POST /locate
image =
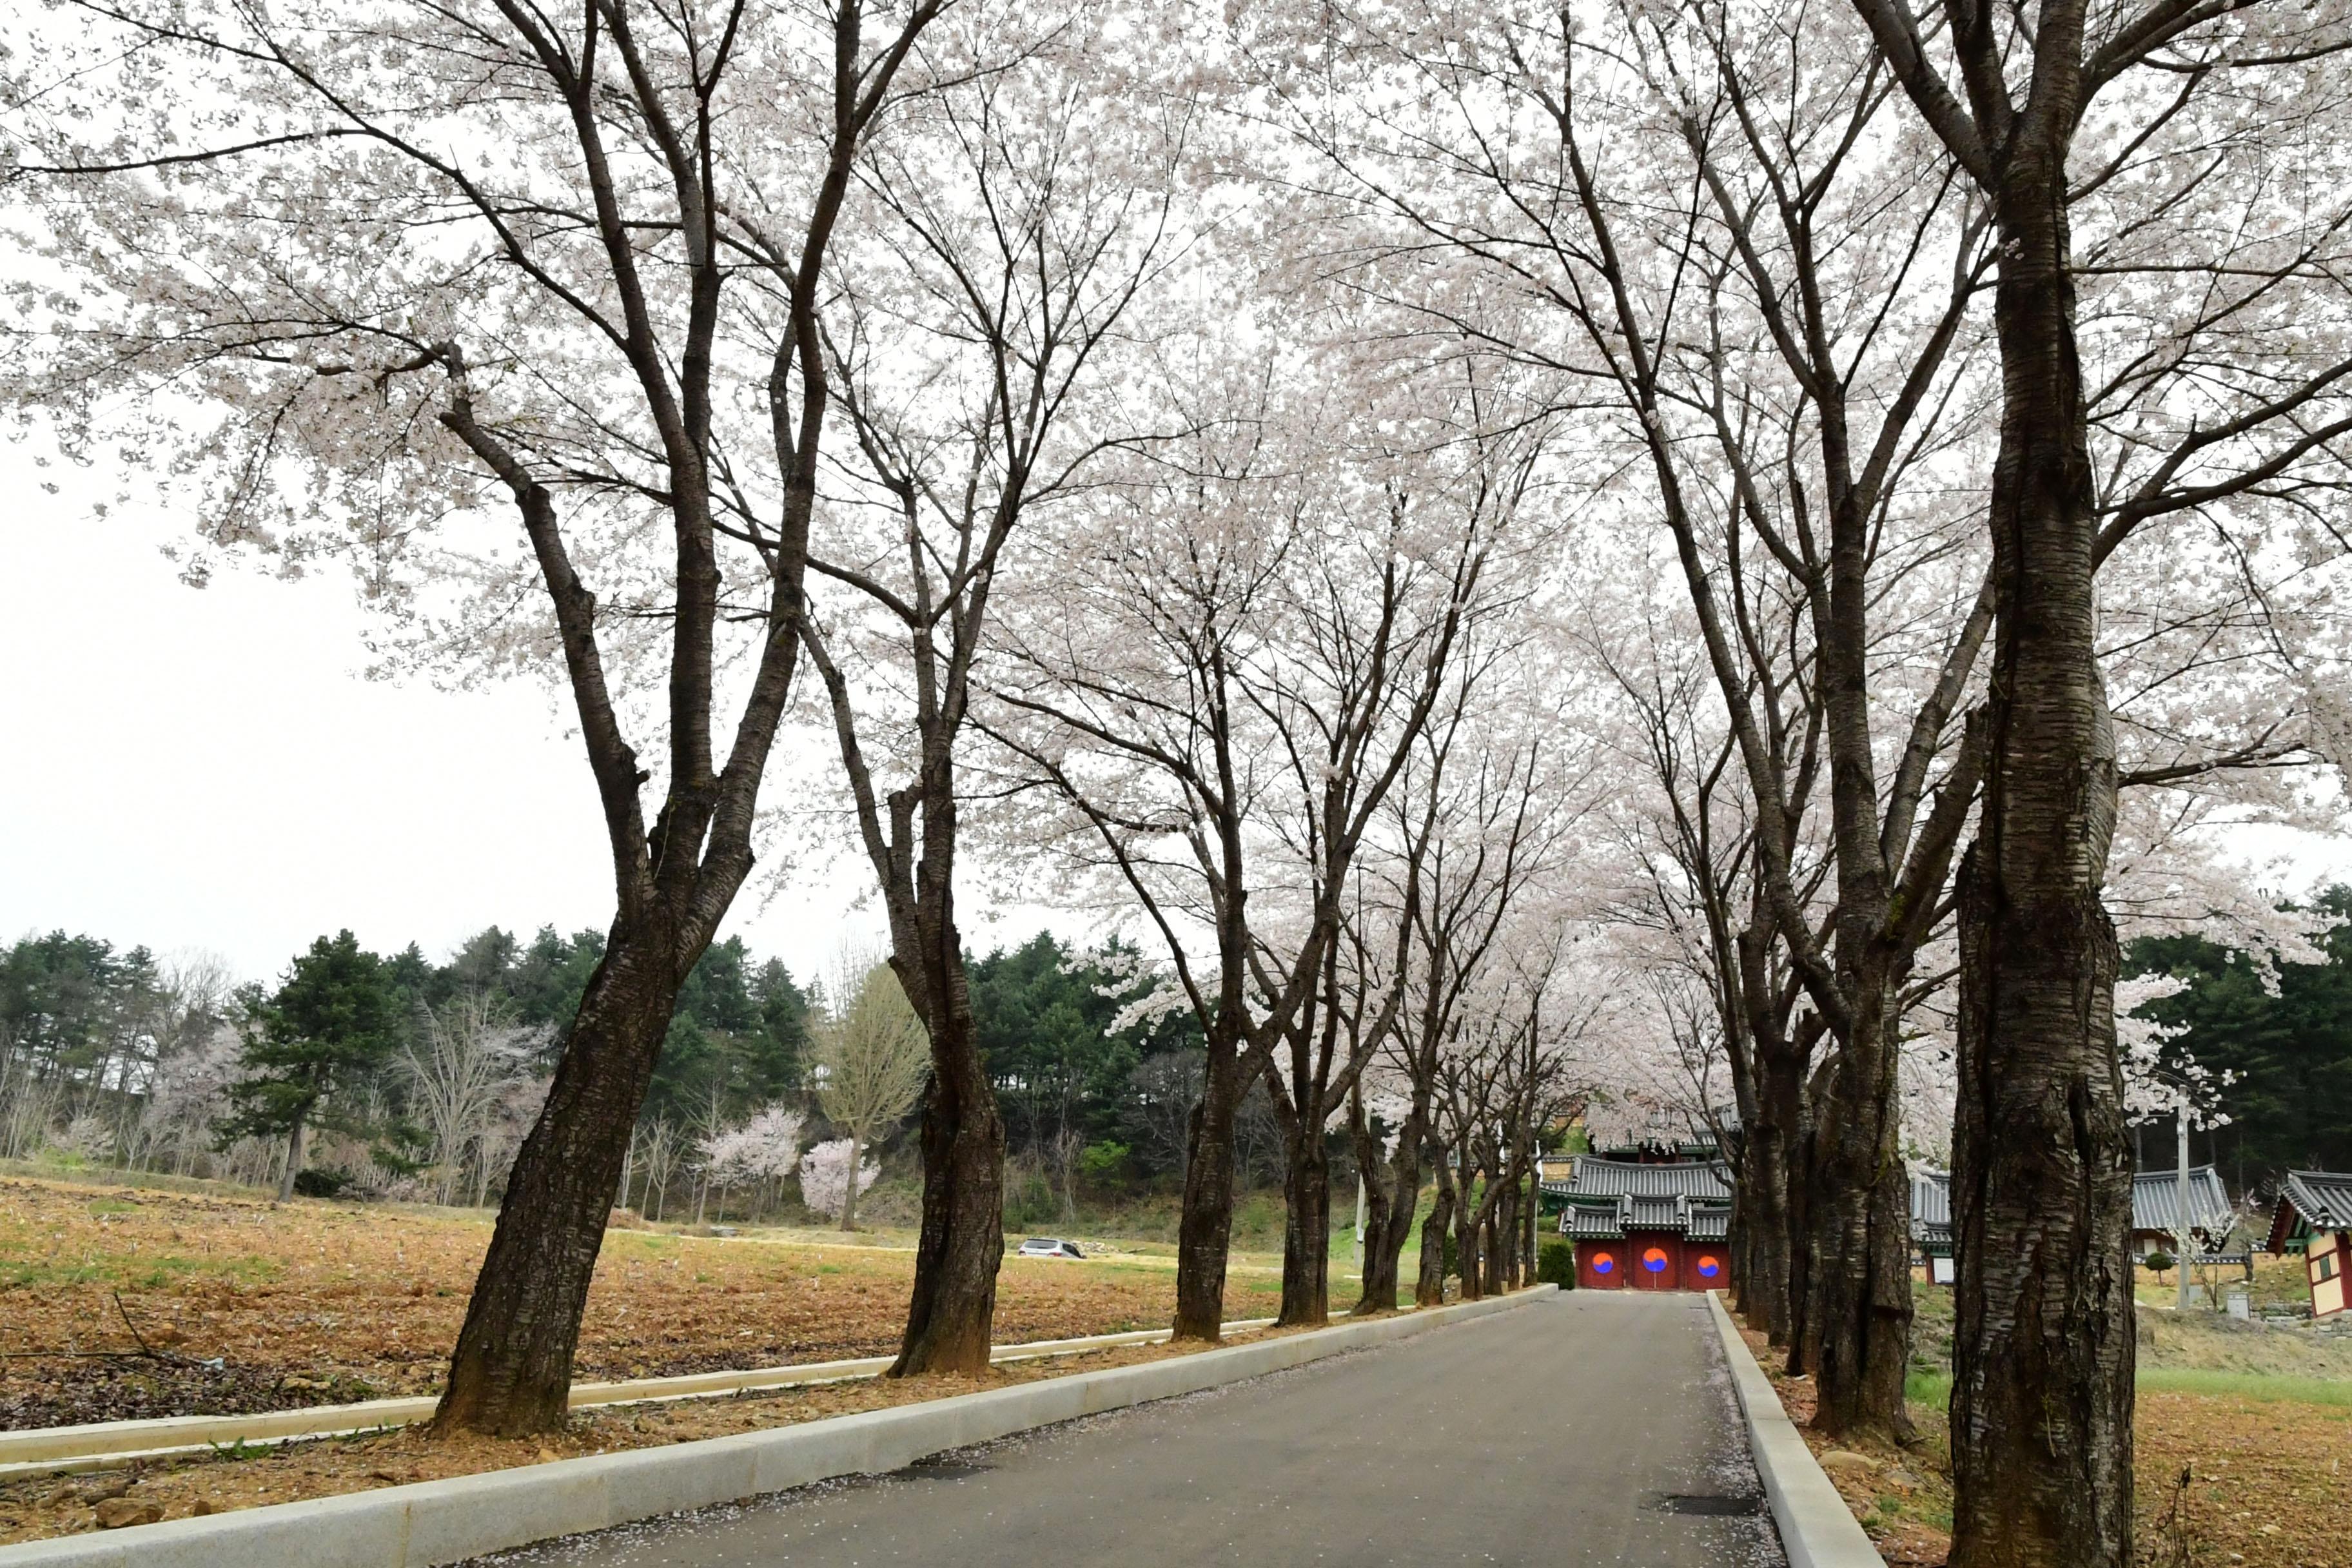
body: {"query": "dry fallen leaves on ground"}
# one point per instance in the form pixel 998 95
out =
pixel 315 1303
pixel 2267 1478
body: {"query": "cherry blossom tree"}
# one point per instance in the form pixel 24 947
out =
pixel 1233 667
pixel 369 277
pixel 1022 214
pixel 825 1177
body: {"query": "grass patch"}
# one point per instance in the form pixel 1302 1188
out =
pixel 1932 1389
pixel 127 1273
pixel 2265 1386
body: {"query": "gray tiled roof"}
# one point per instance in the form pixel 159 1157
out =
pixel 1592 1221
pixel 2156 1203
pixel 2324 1198
pixel 1709 1181
pixel 1608 1217
pixel 1932 1207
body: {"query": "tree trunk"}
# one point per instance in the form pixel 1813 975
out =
pixel 510 1374
pixel 1857 1322
pixel 1204 1233
pixel 1468 1223
pixel 1307 1230
pixel 2042 1391
pixel 1800 1190
pixel 1396 1190
pixel 1376 1273
pixel 951 1317
pixel 1429 1286
pixel 293 1160
pixel 1768 1159
pixel 849 1192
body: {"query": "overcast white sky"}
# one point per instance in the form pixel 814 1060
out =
pixel 207 769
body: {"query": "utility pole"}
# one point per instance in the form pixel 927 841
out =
pixel 1360 1222
pixel 2181 1122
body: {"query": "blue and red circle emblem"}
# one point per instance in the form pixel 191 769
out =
pixel 1708 1266
pixel 1602 1263
pixel 1654 1260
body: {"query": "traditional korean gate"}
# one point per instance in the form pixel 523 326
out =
pixel 1600 1265
pixel 1657 1262
pixel 1705 1266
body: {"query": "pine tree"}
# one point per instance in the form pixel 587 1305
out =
pixel 334 1020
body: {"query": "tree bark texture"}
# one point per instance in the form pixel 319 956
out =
pixel 1768 1163
pixel 1204 1232
pixel 1395 1189
pixel 1306 1231
pixel 1857 1324
pixel 510 1374
pixel 1429 1285
pixel 951 1315
pixel 2042 1393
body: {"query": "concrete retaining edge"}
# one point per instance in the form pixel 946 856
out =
pixel 107 1445
pixel 1817 1530
pixel 431 1523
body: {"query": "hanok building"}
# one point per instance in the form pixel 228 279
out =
pixel 1653 1225
pixel 1931 1224
pixel 2315 1216
pixel 2156 1212
pixel 2156 1216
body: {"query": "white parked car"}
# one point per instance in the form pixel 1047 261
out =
pixel 1049 1247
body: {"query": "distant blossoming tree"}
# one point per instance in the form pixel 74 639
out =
pixel 825 1178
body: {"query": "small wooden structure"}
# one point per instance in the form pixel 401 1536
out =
pixel 1931 1224
pixel 1645 1224
pixel 2156 1212
pixel 2313 1217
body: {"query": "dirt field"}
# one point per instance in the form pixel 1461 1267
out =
pixel 217 1483
pixel 243 1305
pixel 2267 1473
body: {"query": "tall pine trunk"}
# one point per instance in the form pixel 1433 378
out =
pixel 2042 1391
pixel 510 1374
pixel 293 1160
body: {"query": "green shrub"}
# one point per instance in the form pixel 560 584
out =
pixel 1556 1265
pixel 2159 1260
pixel 319 1183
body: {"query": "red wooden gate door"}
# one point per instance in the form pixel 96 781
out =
pixel 1600 1266
pixel 1655 1266
pixel 1704 1266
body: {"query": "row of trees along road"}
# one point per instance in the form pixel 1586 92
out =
pixel 1518 552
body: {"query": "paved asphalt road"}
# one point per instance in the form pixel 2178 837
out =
pixel 1586 1429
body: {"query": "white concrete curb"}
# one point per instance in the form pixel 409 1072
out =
pixel 434 1522
pixel 1817 1530
pixel 107 1445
